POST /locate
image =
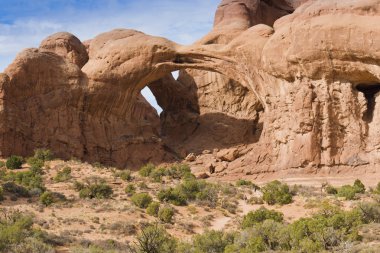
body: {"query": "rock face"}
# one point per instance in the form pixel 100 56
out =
pixel 288 86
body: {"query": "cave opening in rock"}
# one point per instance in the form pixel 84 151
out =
pixel 151 99
pixel 370 91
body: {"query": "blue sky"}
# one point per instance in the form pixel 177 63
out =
pixel 25 23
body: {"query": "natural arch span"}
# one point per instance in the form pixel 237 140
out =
pixel 301 67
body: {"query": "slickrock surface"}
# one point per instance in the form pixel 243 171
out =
pixel 277 87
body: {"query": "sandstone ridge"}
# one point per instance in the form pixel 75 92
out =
pixel 287 86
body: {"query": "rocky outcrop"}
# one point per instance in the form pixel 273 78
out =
pixel 277 86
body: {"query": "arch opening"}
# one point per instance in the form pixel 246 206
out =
pixel 200 107
pixel 151 99
pixel 370 92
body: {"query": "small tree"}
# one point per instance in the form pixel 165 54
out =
pixel 276 193
pixel 360 188
pixel 43 154
pixel 146 170
pixel 141 200
pixel 153 209
pixel 14 162
pixel 154 239
pixel 47 198
pixel 260 215
pixel 166 214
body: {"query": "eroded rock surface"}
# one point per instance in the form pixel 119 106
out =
pixel 287 86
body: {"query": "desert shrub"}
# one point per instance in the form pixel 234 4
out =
pixel 15 189
pixel 212 242
pixel 36 164
pixel 78 186
pixel 347 191
pixel 141 200
pixel 125 175
pixel 146 170
pixel 276 193
pixel 99 190
pixel 377 189
pixel 359 186
pixel 260 215
pixel 172 195
pixel 18 236
pixel 14 162
pixel 208 196
pixel 177 171
pixel 180 171
pixel 47 198
pixel 165 214
pixel 230 206
pixel 2 164
pixel 142 186
pixel 43 154
pixel 130 189
pixel 157 174
pixel 29 179
pixel 153 209
pixel 1 193
pixel 63 175
pixel 329 189
pixel 32 245
pixel 329 228
pixel 255 200
pixel 190 188
pixel 370 212
pixel 242 182
pixel 154 239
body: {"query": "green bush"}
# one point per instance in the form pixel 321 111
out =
pixel 359 186
pixel 212 242
pixel 43 154
pixel 208 196
pixel 18 236
pixel 146 170
pixel 260 215
pixel 331 189
pixel 96 190
pixel 153 209
pixel 78 186
pixel 47 198
pixel 130 189
pixel 180 171
pixel 16 189
pixel 29 179
pixel 165 214
pixel 36 164
pixel 141 200
pixel 157 174
pixel 63 175
pixel 190 188
pixel 125 175
pixel 154 239
pixel 276 193
pixel 172 195
pixel 377 189
pixel 14 162
pixel 1 193
pixel 242 182
pixel 348 192
pixel 370 212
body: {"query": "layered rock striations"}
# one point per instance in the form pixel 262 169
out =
pixel 276 86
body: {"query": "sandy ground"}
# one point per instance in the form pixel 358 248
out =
pixel 118 219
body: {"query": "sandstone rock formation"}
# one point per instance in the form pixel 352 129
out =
pixel 276 86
